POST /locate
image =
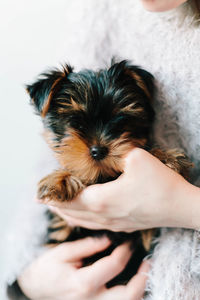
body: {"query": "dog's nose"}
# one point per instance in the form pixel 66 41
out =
pixel 98 152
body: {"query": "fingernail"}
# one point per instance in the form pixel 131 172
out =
pixel 145 267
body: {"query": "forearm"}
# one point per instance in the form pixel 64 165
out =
pixel 184 209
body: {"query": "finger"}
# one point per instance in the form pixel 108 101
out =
pixel 71 221
pixel 77 264
pixel 102 223
pixel 84 216
pixel 91 225
pixel 74 204
pixel 136 286
pixel 80 202
pixel 77 214
pixel 112 225
pixel 92 198
pixel 97 224
pixel 144 267
pixel 108 267
pixel 117 293
pixel 77 250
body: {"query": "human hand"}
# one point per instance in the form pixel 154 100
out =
pixel 148 194
pixel 58 274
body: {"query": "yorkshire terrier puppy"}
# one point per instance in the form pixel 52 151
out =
pixel 92 119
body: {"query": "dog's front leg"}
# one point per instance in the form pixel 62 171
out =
pixel 59 186
pixel 175 160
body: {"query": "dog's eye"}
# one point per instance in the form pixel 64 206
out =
pixel 76 124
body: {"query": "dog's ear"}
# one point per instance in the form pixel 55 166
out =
pixel 143 79
pixel 43 90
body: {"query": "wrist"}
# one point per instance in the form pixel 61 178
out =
pixel 184 208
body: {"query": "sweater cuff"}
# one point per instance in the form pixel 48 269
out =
pixel 14 292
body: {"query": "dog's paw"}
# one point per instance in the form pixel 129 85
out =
pixel 50 188
pixel 59 187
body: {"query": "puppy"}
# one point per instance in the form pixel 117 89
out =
pixel 92 119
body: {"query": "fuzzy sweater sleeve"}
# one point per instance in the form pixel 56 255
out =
pixel 175 273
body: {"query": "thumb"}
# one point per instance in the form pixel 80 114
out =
pixel 77 250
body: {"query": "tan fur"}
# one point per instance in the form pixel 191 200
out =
pixel 61 234
pixel 61 230
pixel 48 101
pixel 69 105
pixel 74 155
pixel 53 88
pixel 59 186
pixel 174 159
pixel 147 236
pixel 139 82
pixel 133 110
pixel 80 169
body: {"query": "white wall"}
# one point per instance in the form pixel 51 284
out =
pixel 35 35
pixel 32 38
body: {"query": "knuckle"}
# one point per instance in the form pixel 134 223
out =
pixel 87 197
pixel 99 207
pixel 94 199
pixel 137 158
pixel 85 288
pixel 139 153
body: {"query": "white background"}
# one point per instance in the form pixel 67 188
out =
pixel 32 38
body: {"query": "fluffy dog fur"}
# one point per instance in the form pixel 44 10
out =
pixel 92 120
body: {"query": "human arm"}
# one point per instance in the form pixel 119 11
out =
pixel 58 274
pixel 148 194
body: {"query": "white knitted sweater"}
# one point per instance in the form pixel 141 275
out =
pixel 167 45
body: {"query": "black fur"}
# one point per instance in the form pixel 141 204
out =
pixel 104 98
pixel 100 92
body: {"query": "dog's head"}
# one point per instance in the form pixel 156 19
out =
pixel 92 119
